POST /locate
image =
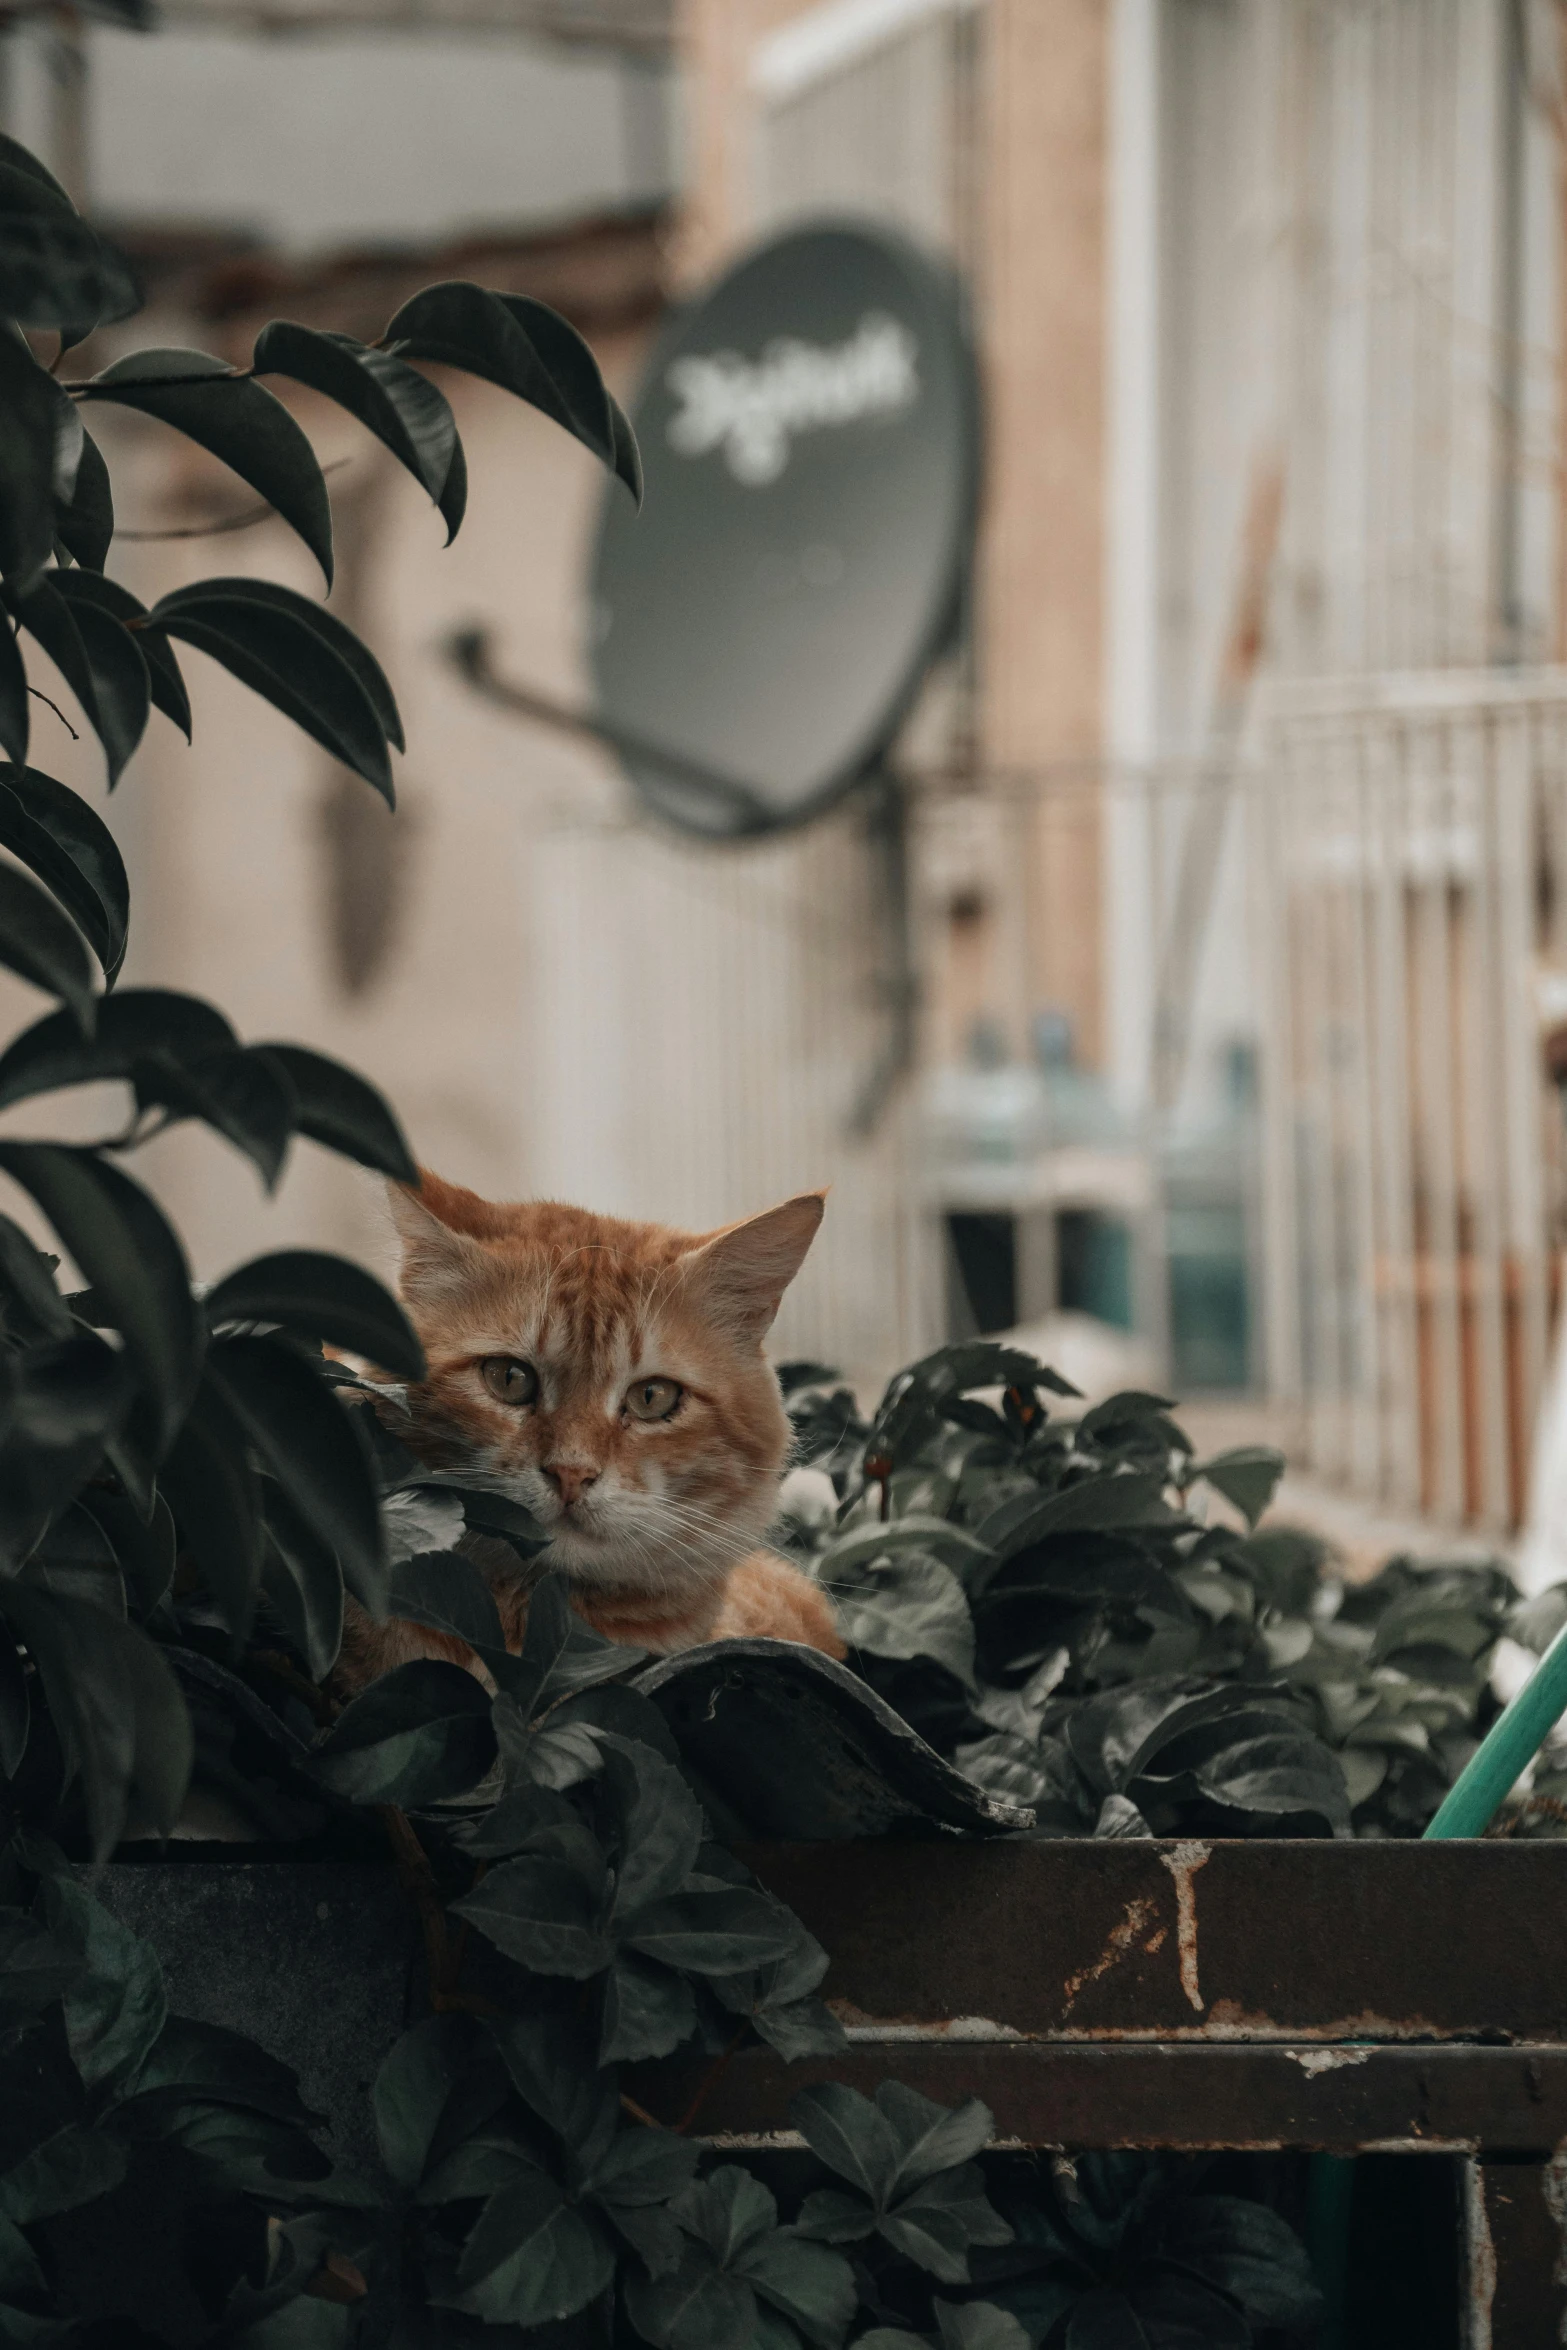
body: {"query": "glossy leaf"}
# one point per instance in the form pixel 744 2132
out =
pixel 84 522
pixel 417 1734
pixel 446 1591
pixel 301 1577
pixel 216 1498
pixel 42 947
pixel 67 845
pixel 531 2257
pixel 143 1547
pixel 305 1438
pixel 341 1110
pixel 323 1297
pixel 60 1402
pixel 135 1023
pixel 298 657
pixel 116 2007
pixel 40 444
pixel 167 685
pixel 240 423
pixel 128 1251
pixel 56 271
pixel 394 401
pixel 545 1913
pixel 116 1705
pixel 16 709
pixel 527 349
pixel 1247 1475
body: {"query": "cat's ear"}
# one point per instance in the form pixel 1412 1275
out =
pixel 441 1249
pixel 742 1272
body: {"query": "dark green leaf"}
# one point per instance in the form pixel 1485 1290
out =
pixel 116 1705
pixel 411 2090
pixel 1111 1500
pixel 74 2166
pixel 128 1251
pixel 298 657
pixel 526 349
pixel 84 522
pixel 241 1095
pixel 419 1733
pixel 121 682
pixel 58 272
pixel 698 2307
pixel 40 443
pixel 351 651
pixel 711 1928
pixel 831 2217
pixel 728 2211
pixel 216 1498
pixel 541 1911
pixel 116 2008
pixel 300 1575
pixel 642 2166
pixel 15 1705
pixel 812 2286
pixel 1247 1475
pixel 394 401
pixel 551 2064
pixel 305 1438
pixel 1246 2251
pixel 48 618
pixel 443 1589
pixel 136 1024
pixel 15 702
pixel 30 1304
pixel 659 1825
pixel 932 2137
pixel 851 2135
pixel 322 1297
pixel 144 1548
pixel 89 588
pixel 41 946
pixel 531 2257
pixel 647 2012
pixel 1282 1772
pixel 57 836
pixel 60 1402
pixel 339 1109
pixel 251 432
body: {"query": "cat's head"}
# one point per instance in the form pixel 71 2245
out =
pixel 608 1375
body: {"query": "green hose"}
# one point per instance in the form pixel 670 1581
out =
pixel 1471 1804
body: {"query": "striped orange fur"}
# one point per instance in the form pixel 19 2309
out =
pixel 655 1518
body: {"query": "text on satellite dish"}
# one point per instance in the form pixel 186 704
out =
pixel 753 409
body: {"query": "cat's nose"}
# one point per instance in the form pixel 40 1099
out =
pixel 570 1479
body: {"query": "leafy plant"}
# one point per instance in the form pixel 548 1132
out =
pixel 1060 1604
pixel 157 1448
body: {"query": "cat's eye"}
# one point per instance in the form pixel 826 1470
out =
pixel 509 1380
pixel 654 1399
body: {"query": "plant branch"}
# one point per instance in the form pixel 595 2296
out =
pixel 59 713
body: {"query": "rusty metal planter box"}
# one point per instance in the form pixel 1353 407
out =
pixel 1354 1998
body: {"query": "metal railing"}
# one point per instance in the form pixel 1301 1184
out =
pixel 1410 881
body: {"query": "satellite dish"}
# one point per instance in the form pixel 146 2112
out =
pixel 809 434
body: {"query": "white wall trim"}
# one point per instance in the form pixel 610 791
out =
pixel 827 39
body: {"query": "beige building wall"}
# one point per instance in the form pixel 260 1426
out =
pixel 1039 170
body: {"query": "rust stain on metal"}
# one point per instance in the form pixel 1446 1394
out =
pixel 1122 1937
pixel 1183 1861
pixel 1156 1942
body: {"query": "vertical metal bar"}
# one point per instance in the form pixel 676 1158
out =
pixel 1481 1133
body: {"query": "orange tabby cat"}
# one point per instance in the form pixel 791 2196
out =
pixel 609 1376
